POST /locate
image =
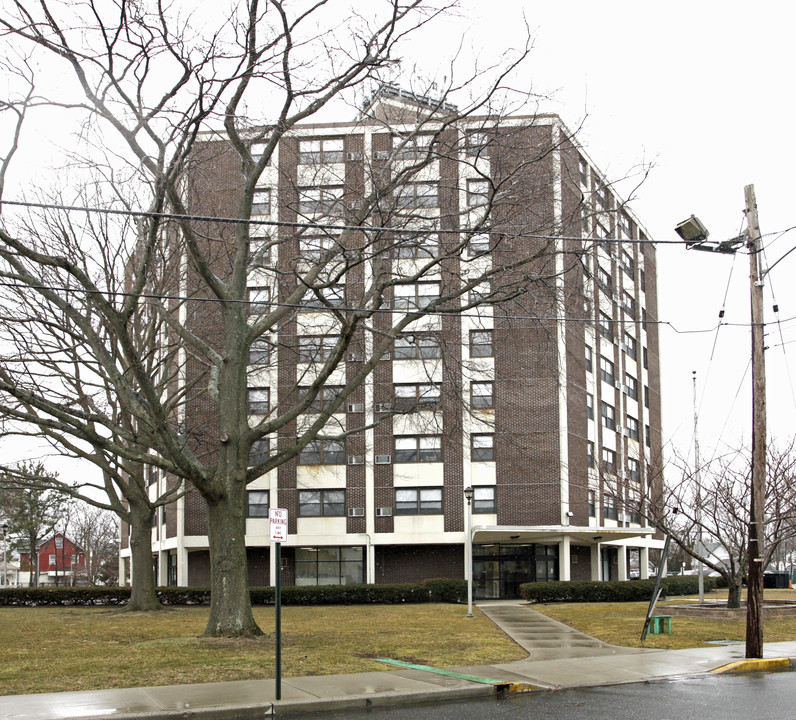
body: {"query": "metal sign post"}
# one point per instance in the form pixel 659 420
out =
pixel 277 522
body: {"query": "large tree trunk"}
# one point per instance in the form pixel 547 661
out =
pixel 734 594
pixel 230 609
pixel 142 590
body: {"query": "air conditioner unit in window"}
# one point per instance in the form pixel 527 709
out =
pixel 382 407
pixel 382 459
pixel 618 385
pixel 356 512
pixel 353 156
pixel 384 512
pixel 386 356
pixel 381 154
pixel 356 459
pixel 355 356
pixel 356 407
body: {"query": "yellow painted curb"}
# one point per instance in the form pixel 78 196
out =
pixel 754 665
pixel 516 687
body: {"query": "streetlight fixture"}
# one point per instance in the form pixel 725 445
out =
pixel 468 554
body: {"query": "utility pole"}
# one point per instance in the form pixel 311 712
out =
pixel 754 602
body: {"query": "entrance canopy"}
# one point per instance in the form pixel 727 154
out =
pixel 551 534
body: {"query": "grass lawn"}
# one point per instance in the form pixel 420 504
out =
pixel 58 649
pixel 621 623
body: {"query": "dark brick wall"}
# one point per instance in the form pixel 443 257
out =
pixel 580 563
pixel 415 563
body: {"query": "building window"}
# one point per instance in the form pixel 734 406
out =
pixel 628 303
pixel 646 396
pixel 323 452
pixel 478 244
pixel 261 202
pixel 481 343
pixel 152 477
pixel 418 501
pixel 484 499
pixel 633 471
pixel 606 370
pixel 417 347
pixel 627 232
pixel 52 560
pixel 259 452
pixel 314 247
pixel 590 453
pixel 257 503
pixel 608 460
pixel 628 266
pixel 642 281
pixel 589 359
pixel 415 296
pixel 321 503
pixel 632 427
pixel 416 195
pixel 325 200
pixel 418 448
pixel 259 351
pixel 590 406
pixel 608 414
pixel 425 245
pixel 482 448
pixel 257 149
pixel 631 386
pixel 600 196
pixel 476 144
pixel 325 150
pixel 316 348
pixel 259 300
pixel 606 326
pixel 330 566
pixel 327 395
pixel 644 358
pixel 480 292
pixel 630 346
pixel 413 147
pixel 259 400
pixel 323 298
pixel 609 509
pixel 477 193
pixel 583 171
pixel 414 397
pixel 604 280
pixel 592 503
pixel 647 439
pixel 259 251
pixel 482 395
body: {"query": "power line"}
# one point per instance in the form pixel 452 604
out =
pixel 322 226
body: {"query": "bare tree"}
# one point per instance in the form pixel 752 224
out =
pixel 120 331
pixel 714 504
pixel 31 513
pixel 97 532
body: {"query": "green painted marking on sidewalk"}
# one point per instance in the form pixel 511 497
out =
pixel 439 671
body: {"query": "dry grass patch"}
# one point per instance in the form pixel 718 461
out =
pixel 59 649
pixel 621 623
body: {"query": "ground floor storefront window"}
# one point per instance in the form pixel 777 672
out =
pixel 330 565
pixel 499 570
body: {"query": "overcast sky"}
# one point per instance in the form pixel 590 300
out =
pixel 700 90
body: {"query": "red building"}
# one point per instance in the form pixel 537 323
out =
pixel 60 562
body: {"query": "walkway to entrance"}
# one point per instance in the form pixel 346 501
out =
pixel 543 637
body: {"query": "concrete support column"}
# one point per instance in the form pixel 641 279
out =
pixel 182 567
pixel 370 564
pixel 163 568
pixel 565 558
pixel 622 562
pixel 596 565
pixel 644 562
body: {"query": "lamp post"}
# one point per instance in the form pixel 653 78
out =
pixel 468 549
pixel 5 547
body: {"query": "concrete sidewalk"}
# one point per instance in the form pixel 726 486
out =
pixel 559 657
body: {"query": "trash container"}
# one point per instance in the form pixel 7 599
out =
pixel 776 580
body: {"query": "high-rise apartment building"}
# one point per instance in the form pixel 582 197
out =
pixel 536 407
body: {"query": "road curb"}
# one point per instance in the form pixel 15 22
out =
pixel 754 665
